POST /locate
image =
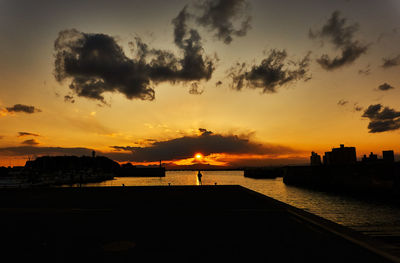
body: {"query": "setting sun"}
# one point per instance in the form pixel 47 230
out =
pixel 198 156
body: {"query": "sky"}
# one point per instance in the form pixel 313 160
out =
pixel 243 82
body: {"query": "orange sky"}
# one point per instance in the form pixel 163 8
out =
pixel 297 117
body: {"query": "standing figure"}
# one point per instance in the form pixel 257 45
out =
pixel 199 175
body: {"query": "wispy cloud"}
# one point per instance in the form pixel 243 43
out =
pixel 342 102
pixel 391 62
pixel 274 71
pixel 342 37
pixel 21 134
pixel 30 142
pixel 23 108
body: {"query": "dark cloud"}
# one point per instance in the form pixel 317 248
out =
pixel 96 64
pixel 23 108
pixel 184 147
pixel 349 55
pixel 342 102
pixel 342 37
pixel 194 65
pixel 30 142
pixel 222 16
pixel 273 72
pixel 20 134
pixel 391 62
pixel 206 143
pixel 385 87
pixel 382 118
pixel 68 98
pixel 121 148
pixel 205 131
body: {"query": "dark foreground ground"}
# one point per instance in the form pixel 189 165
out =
pixel 170 224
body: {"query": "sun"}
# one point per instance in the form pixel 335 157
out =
pixel 198 156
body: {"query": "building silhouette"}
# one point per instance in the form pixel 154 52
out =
pixel 347 155
pixel 387 157
pixel 371 158
pixel 315 159
pixel 342 155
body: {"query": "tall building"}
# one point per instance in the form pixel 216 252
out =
pixel 315 159
pixel 342 155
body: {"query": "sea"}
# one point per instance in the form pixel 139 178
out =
pixel 375 218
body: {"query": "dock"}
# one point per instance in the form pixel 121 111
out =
pixel 171 224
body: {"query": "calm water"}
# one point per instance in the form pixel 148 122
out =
pixel 372 218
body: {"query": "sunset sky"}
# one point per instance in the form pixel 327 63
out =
pixel 243 82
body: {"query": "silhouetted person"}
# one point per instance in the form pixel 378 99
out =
pixel 199 175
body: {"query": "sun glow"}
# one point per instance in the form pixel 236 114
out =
pixel 198 156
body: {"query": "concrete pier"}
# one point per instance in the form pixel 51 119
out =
pixel 171 223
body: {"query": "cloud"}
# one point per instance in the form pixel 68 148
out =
pixel 32 150
pixel 30 142
pixel 342 102
pixel 356 107
pixel 23 108
pixel 385 87
pixel 20 134
pixel 391 62
pixel 68 98
pixel 387 35
pixel 221 16
pixel 382 118
pixel 206 143
pixel 96 64
pixel 345 103
pixel 195 89
pixel 342 37
pixel 29 150
pixel 365 71
pixel 218 83
pixel 205 131
pixel 194 65
pixel 273 72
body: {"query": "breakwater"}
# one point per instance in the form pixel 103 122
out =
pixel 361 178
